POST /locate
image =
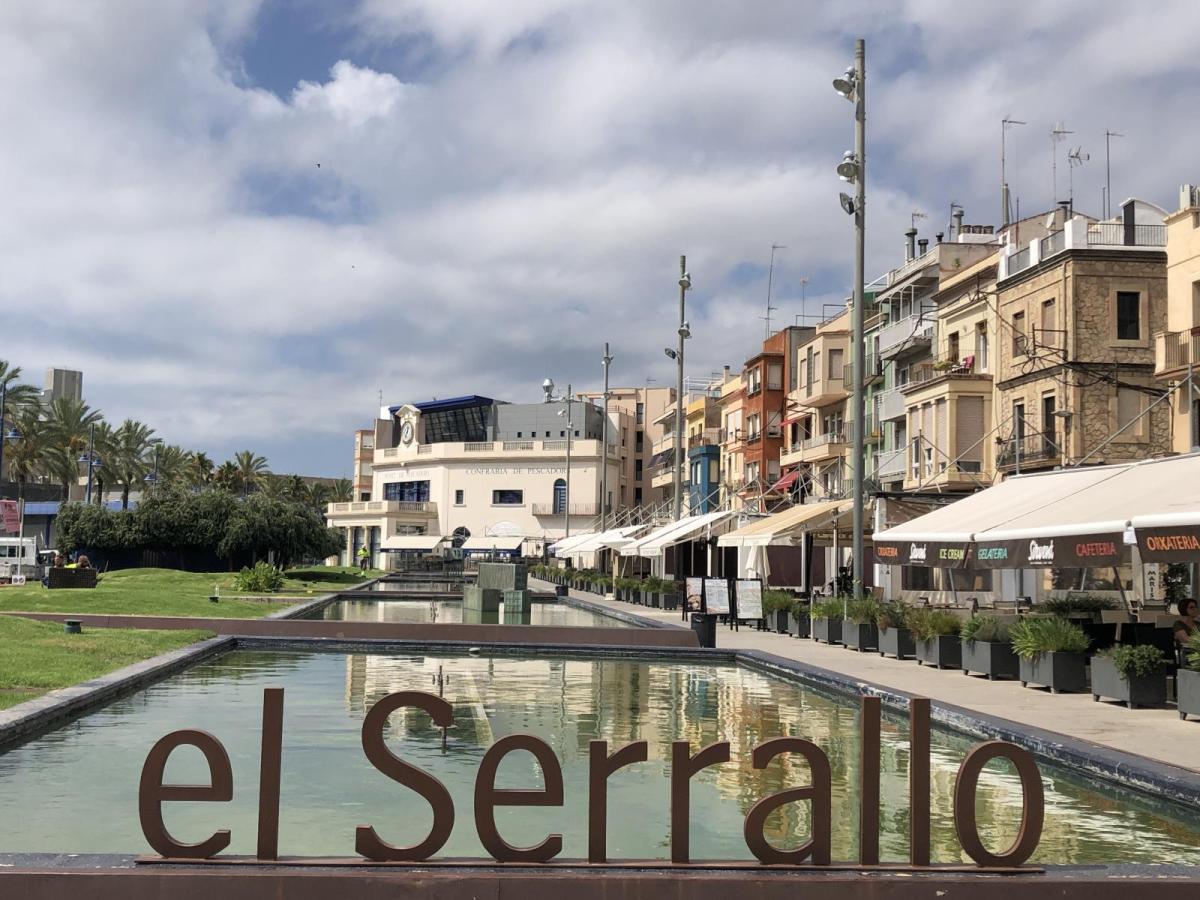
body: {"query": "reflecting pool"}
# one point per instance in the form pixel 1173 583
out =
pixel 452 611
pixel 75 790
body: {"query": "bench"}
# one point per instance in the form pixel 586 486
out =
pixel 71 578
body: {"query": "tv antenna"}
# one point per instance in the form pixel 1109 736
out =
pixel 1005 205
pixel 1057 134
pixel 1075 158
pixel 1108 172
pixel 770 280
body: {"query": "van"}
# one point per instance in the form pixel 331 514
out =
pixel 16 552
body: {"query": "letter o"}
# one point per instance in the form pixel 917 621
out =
pixel 1033 810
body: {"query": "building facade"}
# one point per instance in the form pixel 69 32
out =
pixel 1177 348
pixel 364 454
pixel 634 412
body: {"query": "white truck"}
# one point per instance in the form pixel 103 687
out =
pixel 20 556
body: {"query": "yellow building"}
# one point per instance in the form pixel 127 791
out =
pixel 1177 348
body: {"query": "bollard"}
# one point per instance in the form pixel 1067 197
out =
pixel 73 626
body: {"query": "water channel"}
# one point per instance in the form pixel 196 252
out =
pixel 75 789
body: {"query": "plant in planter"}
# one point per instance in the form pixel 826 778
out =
pixel 859 631
pixel 1052 652
pixel 776 606
pixel 1136 675
pixel 987 648
pixel 827 620
pixel 936 635
pixel 895 638
pixel 670 594
pixel 652 589
pixel 625 587
pixel 1077 606
pixel 1187 683
pixel 800 618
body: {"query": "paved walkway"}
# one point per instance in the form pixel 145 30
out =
pixel 1156 734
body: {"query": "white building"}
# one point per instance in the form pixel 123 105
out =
pixel 482 474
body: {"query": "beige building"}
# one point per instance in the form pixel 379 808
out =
pixel 814 452
pixel 1075 362
pixel 733 440
pixel 364 454
pixel 634 412
pixel 1177 347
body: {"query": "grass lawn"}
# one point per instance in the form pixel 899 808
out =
pixel 36 657
pixel 168 592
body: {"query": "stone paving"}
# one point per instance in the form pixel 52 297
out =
pixel 1156 734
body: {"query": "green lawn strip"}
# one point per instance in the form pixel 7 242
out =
pixel 36 657
pixel 168 592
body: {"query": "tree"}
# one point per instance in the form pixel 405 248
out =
pixel 129 461
pixel 200 472
pixel 103 441
pixel 228 477
pixel 174 465
pixel 18 396
pixel 25 454
pixel 251 469
pixel 69 421
pixel 343 491
pixel 273 487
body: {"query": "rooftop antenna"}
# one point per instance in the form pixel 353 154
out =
pixel 770 280
pixel 1057 134
pixel 1108 172
pixel 1005 209
pixel 1075 158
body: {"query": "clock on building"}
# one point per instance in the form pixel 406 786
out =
pixel 406 432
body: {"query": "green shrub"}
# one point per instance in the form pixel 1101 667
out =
pixel 863 612
pixel 1141 659
pixel 927 624
pixel 776 601
pixel 1192 651
pixel 1074 604
pixel 261 579
pixel 801 608
pixel 893 614
pixel 1033 636
pixel 832 609
pixel 986 628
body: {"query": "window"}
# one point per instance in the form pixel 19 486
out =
pixel 560 496
pixel 817 366
pixel 1196 302
pixel 637 496
pixel 952 347
pixel 754 380
pixel 752 427
pixel 1048 431
pixel 641 413
pixel 508 498
pixel 1019 420
pixel 835 364
pixel 1129 407
pixel 407 491
pixel 519 434
pixel 981 347
pixel 774 376
pixel 1018 330
pixel 639 443
pixel 547 434
pixel 1049 323
pixel 1129 309
pixel 637 470
pixel 458 498
pixel 562 434
pixel 1195 424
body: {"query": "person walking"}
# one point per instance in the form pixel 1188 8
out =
pixel 364 558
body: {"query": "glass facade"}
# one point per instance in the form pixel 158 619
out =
pixel 411 491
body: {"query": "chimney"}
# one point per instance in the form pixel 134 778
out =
pixel 1065 207
pixel 957 216
pixel 923 243
pixel 910 249
pixel 725 374
pixel 939 236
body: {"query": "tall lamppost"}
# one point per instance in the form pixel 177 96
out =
pixel 606 360
pixel 91 459
pixel 548 390
pixel 684 332
pixel 152 479
pixel 853 169
pixel 3 433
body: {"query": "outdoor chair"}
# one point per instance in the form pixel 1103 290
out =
pixel 71 578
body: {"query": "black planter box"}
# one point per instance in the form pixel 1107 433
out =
pixel 994 659
pixel 897 643
pixel 670 601
pixel 1061 672
pixel 655 600
pixel 860 637
pixel 800 626
pixel 943 651
pixel 779 621
pixel 1187 693
pixel 1135 691
pixel 828 631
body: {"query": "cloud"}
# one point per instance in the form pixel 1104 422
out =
pixel 504 186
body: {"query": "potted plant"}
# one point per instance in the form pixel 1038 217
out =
pixel 1187 680
pixel 799 618
pixel 859 631
pixel 776 606
pixel 827 620
pixel 624 588
pixel 987 648
pixel 1052 652
pixel 1136 674
pixel 670 594
pixel 895 640
pixel 936 634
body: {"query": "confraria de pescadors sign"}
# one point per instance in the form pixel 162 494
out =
pixel 602 764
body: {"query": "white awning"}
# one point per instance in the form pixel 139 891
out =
pixel 562 545
pixel 685 529
pixel 413 541
pixel 782 527
pixel 611 539
pixel 501 542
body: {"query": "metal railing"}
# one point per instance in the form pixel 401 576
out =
pixel 1106 233
pixel 1019 261
pixel 906 331
pixel 1034 447
pixel 479 447
pixel 872 369
pixel 557 509
pixel 1150 235
pixel 1052 243
pixel 1119 234
pixel 830 437
pixel 1176 350
pixel 890 463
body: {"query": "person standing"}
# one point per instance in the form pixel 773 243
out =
pixel 364 558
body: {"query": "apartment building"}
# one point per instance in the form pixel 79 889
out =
pixel 814 454
pixel 1077 309
pixel 733 440
pixel 633 412
pixel 1177 348
pixel 364 454
pixel 704 450
pixel 699 410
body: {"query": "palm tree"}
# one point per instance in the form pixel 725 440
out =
pixel 343 491
pixel 26 452
pixel 201 469
pixel 69 421
pixel 273 487
pixel 297 489
pixel 129 460
pixel 318 495
pixel 251 469
pixel 173 464
pixel 17 395
pixel 228 477
pixel 103 440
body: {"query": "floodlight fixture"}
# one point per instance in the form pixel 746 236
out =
pixel 846 83
pixel 847 169
pixel 847 203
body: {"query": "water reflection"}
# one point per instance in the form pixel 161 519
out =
pixel 453 611
pixel 75 790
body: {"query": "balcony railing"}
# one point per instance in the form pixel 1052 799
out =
pixel 909 331
pixel 890 405
pixel 518 445
pixel 1034 447
pixel 1120 234
pixel 556 509
pixel 1176 350
pixel 831 437
pixel 1052 243
pixel 872 370
pixel 1020 261
pixel 890 463
pixel 382 506
pixel 479 447
pixel 946 367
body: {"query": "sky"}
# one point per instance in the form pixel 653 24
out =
pixel 243 220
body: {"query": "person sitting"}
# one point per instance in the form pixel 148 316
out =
pixel 1186 625
pixel 83 562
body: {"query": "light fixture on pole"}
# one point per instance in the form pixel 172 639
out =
pixel 606 360
pixel 853 170
pixel 548 391
pixel 152 479
pixel 3 433
pixel 91 459
pixel 685 285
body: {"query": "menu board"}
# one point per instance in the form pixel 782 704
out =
pixel 694 601
pixel 716 596
pixel 749 598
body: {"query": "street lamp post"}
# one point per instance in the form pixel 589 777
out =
pixel 91 459
pixel 853 168
pixel 3 433
pixel 607 360
pixel 685 284
pixel 548 389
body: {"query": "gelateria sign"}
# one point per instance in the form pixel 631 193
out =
pixel 603 763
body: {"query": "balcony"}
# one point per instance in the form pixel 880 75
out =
pixel 889 405
pixel 556 509
pixel 823 447
pixel 373 508
pixel 912 334
pixel 950 368
pixel 890 464
pixel 935 472
pixel 709 437
pixel 1079 233
pixel 1037 449
pixel 1174 351
pixel 582 447
pixel 872 371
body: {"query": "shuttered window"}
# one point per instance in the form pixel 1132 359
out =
pixel 1129 407
pixel 968 429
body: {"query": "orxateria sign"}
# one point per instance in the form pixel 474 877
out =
pixel 371 838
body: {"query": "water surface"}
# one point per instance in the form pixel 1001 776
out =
pixel 452 611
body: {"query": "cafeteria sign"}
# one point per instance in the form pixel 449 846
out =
pixel 370 840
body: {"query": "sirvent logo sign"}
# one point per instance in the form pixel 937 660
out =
pixel 1041 552
pixel 916 552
